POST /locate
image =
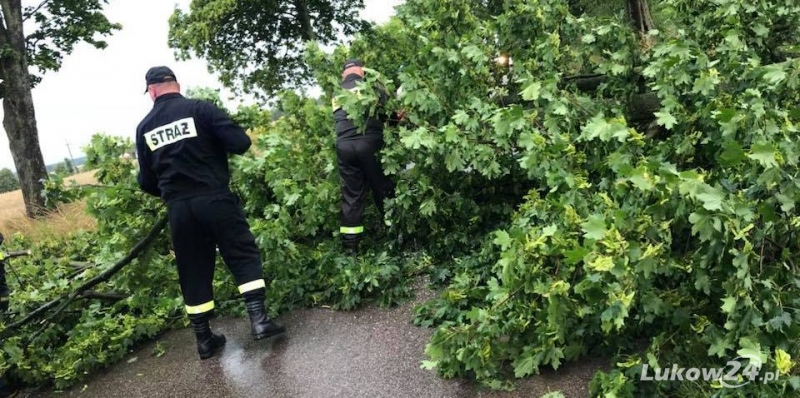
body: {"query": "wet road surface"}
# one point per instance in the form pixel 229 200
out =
pixel 370 352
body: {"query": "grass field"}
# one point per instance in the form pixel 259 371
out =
pixel 66 218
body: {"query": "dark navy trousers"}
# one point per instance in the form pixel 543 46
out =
pixel 360 170
pixel 198 226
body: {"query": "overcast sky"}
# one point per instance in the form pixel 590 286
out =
pixel 101 90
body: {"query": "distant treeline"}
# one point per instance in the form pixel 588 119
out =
pixel 77 162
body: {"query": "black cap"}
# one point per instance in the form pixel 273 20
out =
pixel 159 74
pixel 351 63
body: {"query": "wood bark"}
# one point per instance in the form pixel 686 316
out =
pixel 19 119
pixel 639 11
pixel 585 83
pixel 112 296
pixel 641 108
pixel 304 17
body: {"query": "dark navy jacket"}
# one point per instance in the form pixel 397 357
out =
pixel 346 129
pixel 183 145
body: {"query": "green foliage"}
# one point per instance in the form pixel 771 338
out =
pixel 554 227
pixel 51 33
pixel 596 8
pixel 253 116
pixel 206 94
pixel 91 333
pixel 288 211
pixel 290 187
pixel 55 192
pixel 685 241
pixel 256 46
pixel 8 181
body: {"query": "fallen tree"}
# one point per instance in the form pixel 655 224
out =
pixel 82 291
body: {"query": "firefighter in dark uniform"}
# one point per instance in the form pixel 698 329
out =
pixel 358 155
pixel 183 147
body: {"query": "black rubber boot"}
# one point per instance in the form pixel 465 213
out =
pixel 207 342
pixel 6 392
pixel 262 326
pixel 350 243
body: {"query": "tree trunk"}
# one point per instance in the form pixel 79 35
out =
pixel 641 108
pixel 20 118
pixel 585 83
pixel 639 10
pixel 301 7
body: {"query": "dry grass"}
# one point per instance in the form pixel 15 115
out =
pixel 83 178
pixel 67 218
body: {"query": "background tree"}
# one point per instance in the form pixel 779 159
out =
pixel 70 168
pixel 64 168
pixel 58 26
pixel 206 94
pixel 8 181
pixel 256 46
pixel 60 169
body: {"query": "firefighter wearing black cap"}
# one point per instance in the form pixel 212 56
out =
pixel 183 147
pixel 358 155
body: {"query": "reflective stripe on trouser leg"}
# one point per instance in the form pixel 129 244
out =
pixel 250 286
pixel 351 230
pixel 199 309
pixel 194 256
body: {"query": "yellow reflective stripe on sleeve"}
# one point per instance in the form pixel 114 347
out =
pixel 3 299
pixel 199 309
pixel 351 230
pixel 2 256
pixel 250 286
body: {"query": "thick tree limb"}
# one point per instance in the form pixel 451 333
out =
pixel 32 315
pixel 102 277
pixel 641 108
pixel 99 186
pixel 639 11
pixel 104 296
pixel 80 265
pixel 2 30
pixel 304 17
pixel 585 83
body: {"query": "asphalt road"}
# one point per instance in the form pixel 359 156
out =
pixel 370 352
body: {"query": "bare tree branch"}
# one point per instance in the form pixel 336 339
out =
pixel 111 296
pixel 27 15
